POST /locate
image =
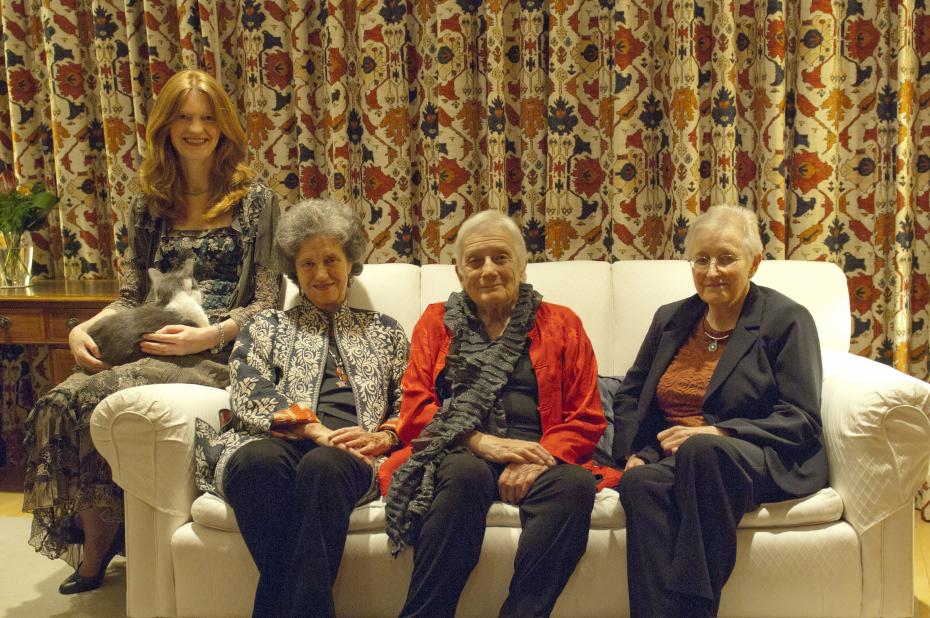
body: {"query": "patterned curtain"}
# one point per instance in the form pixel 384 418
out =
pixel 602 126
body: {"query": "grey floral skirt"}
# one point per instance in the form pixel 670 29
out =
pixel 64 473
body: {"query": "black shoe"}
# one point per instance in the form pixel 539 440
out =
pixel 77 583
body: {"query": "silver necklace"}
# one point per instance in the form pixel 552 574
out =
pixel 712 346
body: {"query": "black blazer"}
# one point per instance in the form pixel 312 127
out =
pixel 765 389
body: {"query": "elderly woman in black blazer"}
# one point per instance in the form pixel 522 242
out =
pixel 719 413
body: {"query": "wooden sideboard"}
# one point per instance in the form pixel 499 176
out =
pixel 46 311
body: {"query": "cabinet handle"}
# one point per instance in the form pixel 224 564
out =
pixel 5 322
pixel 72 322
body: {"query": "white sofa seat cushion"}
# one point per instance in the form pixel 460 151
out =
pixel 822 507
pixel 607 513
pixel 213 512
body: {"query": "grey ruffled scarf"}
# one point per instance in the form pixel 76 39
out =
pixel 476 371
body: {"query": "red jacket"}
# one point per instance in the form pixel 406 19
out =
pixel 566 371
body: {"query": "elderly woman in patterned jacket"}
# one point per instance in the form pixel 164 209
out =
pixel 315 394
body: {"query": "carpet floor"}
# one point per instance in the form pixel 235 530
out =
pixel 29 581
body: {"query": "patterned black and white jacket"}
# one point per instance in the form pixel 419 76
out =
pixel 280 359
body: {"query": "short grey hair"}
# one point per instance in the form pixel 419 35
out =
pixel 718 217
pixel 329 218
pixel 488 220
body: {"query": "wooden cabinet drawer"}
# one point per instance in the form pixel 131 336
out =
pixel 19 325
pixel 45 313
pixel 61 321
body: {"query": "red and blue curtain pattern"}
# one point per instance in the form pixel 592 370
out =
pixel 602 126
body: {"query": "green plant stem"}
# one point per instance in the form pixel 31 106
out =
pixel 13 265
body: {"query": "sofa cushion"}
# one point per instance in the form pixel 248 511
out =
pixel 822 507
pixel 607 386
pixel 213 512
pixel 562 283
pixel 819 286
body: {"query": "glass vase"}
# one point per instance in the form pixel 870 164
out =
pixel 15 259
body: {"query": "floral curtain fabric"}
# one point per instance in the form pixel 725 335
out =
pixel 602 126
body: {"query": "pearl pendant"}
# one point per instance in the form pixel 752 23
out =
pixel 712 347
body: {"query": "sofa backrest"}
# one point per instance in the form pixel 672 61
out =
pixel 392 289
pixel 642 286
pixel 615 302
pixel 583 285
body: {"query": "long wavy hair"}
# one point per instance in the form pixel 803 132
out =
pixel 160 173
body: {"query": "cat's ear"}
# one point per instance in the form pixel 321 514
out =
pixel 154 275
pixel 187 268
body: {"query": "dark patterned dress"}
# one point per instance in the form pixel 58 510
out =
pixel 64 472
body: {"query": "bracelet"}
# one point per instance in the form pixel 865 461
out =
pixel 219 346
pixel 395 439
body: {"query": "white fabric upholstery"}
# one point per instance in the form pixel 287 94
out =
pixel 563 283
pixel 819 565
pixel 875 424
pixel 639 288
pixel 845 551
pixel 822 507
pixel 387 288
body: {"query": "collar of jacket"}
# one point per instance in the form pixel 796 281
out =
pixel 306 306
pixel 744 336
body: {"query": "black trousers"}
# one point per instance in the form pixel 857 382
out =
pixel 292 502
pixel 555 515
pixel 681 520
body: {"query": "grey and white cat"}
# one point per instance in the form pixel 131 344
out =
pixel 173 298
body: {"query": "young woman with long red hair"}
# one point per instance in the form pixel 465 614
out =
pixel 198 199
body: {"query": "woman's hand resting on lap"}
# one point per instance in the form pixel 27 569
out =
pixel 372 444
pixel 516 479
pixel 320 434
pixel 673 437
pixel 508 450
pixel 632 462
pixel 179 340
pixel 85 351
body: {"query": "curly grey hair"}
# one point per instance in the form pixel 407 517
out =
pixel 483 221
pixel 717 217
pixel 320 218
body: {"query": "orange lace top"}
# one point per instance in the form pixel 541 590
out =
pixel 680 392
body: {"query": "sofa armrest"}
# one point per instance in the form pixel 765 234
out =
pixel 876 425
pixel 146 434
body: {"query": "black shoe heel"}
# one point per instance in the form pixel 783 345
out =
pixel 77 583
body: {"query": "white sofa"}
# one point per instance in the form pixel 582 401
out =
pixel 846 551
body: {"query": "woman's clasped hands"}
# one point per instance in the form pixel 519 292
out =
pixel 672 438
pixel 525 461
pixel 366 445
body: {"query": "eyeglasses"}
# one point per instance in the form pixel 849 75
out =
pixel 702 263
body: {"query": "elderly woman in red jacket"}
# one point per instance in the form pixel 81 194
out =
pixel 500 401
